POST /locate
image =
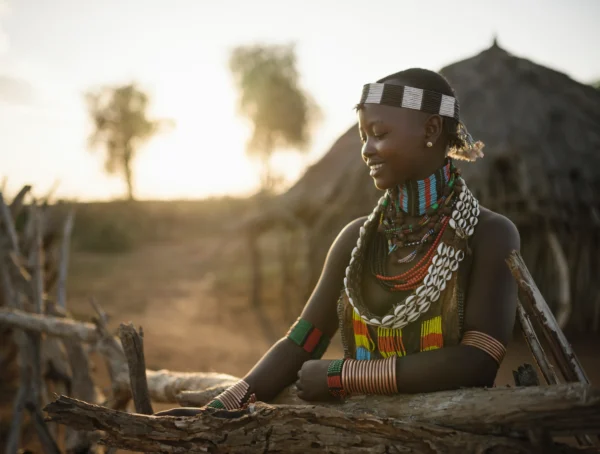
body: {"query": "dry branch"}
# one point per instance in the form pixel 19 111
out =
pixel 133 345
pixel 53 326
pixel 536 347
pixel 562 409
pixel 63 262
pixel 17 204
pixel 265 428
pixel 537 309
pixel 165 385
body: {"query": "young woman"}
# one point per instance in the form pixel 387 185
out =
pixel 428 302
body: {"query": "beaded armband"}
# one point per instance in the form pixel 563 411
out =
pixel 334 378
pixel 232 398
pixel 309 337
pixel 486 343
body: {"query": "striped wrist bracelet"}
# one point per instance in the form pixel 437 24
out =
pixel 334 378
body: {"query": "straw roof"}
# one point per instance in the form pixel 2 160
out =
pixel 542 169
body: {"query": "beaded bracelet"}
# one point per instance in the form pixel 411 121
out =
pixel 232 397
pixel 334 378
pixel 486 343
pixel 310 338
pixel 377 376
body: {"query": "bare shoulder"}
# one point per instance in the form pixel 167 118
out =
pixel 346 239
pixel 495 234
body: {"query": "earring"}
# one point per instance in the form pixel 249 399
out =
pixel 429 145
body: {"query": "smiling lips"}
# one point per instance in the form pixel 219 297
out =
pixel 375 168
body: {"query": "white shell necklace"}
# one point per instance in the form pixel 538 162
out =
pixel 444 265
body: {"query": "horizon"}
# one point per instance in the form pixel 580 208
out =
pixel 51 54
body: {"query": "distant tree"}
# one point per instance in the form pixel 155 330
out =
pixel 281 112
pixel 597 84
pixel 121 126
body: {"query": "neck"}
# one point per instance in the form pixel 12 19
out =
pixel 415 197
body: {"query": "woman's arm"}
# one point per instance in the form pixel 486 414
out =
pixel 279 367
pixel 490 309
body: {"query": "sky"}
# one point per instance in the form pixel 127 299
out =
pixel 52 52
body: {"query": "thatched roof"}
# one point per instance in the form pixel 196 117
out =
pixel 541 130
pixel 541 169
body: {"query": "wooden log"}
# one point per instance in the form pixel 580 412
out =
pixel 47 441
pixel 82 387
pixel 17 204
pixel 166 385
pixel 536 307
pixel 265 428
pixel 63 261
pixel 53 326
pixel 13 440
pixel 9 225
pixel 133 345
pixel 536 347
pixel 564 409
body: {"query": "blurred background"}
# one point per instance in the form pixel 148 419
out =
pixel 210 152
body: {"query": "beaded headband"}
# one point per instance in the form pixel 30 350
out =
pixel 411 98
pixel 426 101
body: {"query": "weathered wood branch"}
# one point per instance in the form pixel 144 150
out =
pixel 537 309
pixel 536 347
pixel 133 345
pixel 164 385
pixel 561 409
pixel 53 326
pixel 266 428
pixel 17 204
pixel 63 262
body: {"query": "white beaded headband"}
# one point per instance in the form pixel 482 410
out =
pixel 411 98
pixel 426 101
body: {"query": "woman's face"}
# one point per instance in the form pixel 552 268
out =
pixel 394 144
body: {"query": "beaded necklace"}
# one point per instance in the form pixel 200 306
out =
pixel 427 279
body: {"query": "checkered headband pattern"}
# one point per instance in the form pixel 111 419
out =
pixel 411 98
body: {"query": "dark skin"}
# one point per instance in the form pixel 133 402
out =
pixel 397 139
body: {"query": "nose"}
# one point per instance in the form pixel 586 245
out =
pixel 368 151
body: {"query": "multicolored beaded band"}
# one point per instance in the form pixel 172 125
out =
pixel 376 376
pixel 334 378
pixel 232 398
pixel 486 343
pixel 310 338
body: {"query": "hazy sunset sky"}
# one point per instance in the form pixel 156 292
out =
pixel 51 52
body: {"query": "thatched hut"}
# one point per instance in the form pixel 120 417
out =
pixel 541 169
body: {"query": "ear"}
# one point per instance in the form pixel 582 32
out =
pixel 433 128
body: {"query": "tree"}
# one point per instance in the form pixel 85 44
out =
pixel 280 111
pixel 121 126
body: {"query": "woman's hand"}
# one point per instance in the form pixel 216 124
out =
pixel 312 381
